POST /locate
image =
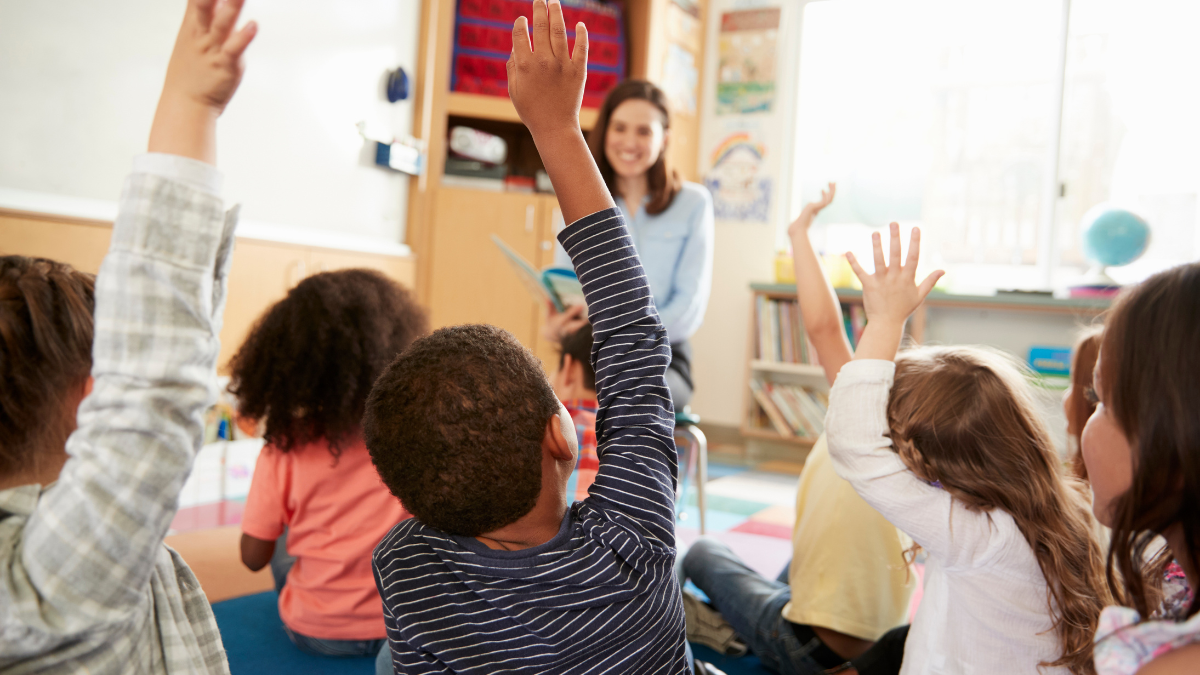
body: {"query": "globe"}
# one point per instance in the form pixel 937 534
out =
pixel 1113 237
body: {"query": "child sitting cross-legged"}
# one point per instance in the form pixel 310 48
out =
pixel 305 371
pixel 105 386
pixel 497 571
pixel 946 444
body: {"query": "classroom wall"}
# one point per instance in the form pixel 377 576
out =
pixel 81 79
pixel 745 250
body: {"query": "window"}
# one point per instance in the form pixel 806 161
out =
pixel 970 120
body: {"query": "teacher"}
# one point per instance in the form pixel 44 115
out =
pixel 670 220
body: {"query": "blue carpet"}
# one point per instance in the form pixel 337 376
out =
pixel 256 644
pixel 740 665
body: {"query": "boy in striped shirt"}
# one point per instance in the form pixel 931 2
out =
pixel 497 573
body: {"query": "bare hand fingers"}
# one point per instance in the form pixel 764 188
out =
pixel 203 11
pixel 541 28
pixel 521 38
pixel 238 42
pixel 832 190
pixel 858 270
pixel 579 57
pixel 558 31
pixel 224 18
pixel 914 251
pixel 894 244
pixel 930 281
pixel 877 246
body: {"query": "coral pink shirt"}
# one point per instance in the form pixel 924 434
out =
pixel 335 515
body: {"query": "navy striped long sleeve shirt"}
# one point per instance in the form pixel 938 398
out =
pixel 601 596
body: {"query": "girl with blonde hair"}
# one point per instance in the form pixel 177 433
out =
pixel 946 444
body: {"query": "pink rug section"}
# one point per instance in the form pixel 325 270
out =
pixel 765 529
pixel 205 516
pixel 765 555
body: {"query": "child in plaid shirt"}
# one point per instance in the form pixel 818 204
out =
pixel 106 381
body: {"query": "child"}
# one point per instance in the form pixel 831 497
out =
pixel 954 454
pixel 496 571
pixel 1142 450
pixel 848 581
pixel 1079 400
pixel 575 386
pixel 315 355
pixel 85 500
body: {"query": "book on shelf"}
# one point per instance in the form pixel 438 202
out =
pixel 780 336
pixel 792 410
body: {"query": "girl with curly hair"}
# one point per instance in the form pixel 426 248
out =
pixel 305 372
pixel 945 442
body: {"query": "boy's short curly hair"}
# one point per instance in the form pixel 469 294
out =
pixel 310 360
pixel 455 426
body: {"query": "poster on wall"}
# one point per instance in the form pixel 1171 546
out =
pixel 738 180
pixel 746 61
pixel 680 79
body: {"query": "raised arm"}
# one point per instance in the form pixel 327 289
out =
pixel 819 306
pixel 630 350
pixel 545 83
pixel 857 426
pixel 93 539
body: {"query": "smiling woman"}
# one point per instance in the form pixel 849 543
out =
pixel 670 220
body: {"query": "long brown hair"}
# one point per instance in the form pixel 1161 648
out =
pixel 1083 401
pixel 46 327
pixel 1150 371
pixel 964 417
pixel 663 180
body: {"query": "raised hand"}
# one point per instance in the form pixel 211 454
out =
pixel 561 324
pixel 204 72
pixel 890 294
pixel 810 211
pixel 545 81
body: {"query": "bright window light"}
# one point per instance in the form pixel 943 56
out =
pixel 946 114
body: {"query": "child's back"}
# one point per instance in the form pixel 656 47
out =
pixel 495 573
pixel 601 594
pixel 946 444
pixel 335 514
pixel 315 354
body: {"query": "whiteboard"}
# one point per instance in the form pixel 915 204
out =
pixel 79 80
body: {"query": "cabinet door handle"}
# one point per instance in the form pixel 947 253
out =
pixel 529 215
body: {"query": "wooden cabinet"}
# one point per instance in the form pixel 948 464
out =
pixel 262 272
pixel 463 278
pixel 474 282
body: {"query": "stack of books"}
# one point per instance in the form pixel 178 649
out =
pixel 790 409
pixel 781 337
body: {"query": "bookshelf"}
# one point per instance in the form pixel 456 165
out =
pixel 495 108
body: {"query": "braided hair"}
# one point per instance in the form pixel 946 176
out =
pixel 46 328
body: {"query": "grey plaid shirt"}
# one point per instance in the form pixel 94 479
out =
pixel 86 584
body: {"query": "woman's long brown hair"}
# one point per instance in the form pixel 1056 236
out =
pixel 964 417
pixel 1150 377
pixel 662 179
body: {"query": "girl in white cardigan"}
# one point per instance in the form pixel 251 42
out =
pixel 945 443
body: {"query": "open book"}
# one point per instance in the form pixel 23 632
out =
pixel 558 285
